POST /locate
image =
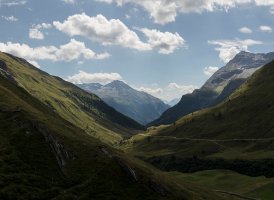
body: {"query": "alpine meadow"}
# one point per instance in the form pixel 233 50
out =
pixel 136 100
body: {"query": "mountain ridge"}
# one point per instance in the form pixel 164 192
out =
pixel 242 66
pixel 137 105
pixel 45 156
pixel 72 103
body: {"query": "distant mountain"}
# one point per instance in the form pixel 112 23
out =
pixel 49 147
pixel 137 105
pixel 223 83
pixel 173 102
pixel 236 135
pixel 83 109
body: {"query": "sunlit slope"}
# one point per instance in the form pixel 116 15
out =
pixel 43 156
pixel 84 110
pixel 242 127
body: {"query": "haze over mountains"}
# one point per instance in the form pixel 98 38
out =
pixel 140 106
pixel 55 144
pixel 223 83
pixel 237 135
pixel 57 137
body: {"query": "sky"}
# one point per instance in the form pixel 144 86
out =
pixel 164 47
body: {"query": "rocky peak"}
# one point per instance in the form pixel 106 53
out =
pixel 243 65
pixel 117 84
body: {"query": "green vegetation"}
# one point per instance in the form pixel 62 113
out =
pixel 86 111
pixel 240 128
pixel 222 180
pixel 45 156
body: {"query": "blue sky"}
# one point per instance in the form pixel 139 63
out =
pixel 166 48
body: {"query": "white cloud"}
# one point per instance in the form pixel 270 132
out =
pixel 73 50
pixel 12 2
pixel 209 71
pixel 245 30
pixel 166 42
pixel 36 33
pixel 10 18
pixel 84 77
pixel 34 63
pixel 182 89
pixel 69 1
pixel 99 29
pixel 170 92
pixel 165 11
pixel 266 29
pixel 115 32
pixel 271 10
pixel 152 91
pixel 229 48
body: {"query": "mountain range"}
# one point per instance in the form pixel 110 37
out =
pixel 223 83
pixel 237 134
pixel 56 142
pixel 140 106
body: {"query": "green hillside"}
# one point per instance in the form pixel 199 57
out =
pixel 44 156
pixel 237 134
pixel 224 181
pixel 87 111
pixel 218 87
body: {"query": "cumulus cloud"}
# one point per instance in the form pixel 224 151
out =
pixel 10 18
pixel 115 32
pixel 163 11
pixel 265 29
pixel 71 51
pixel 152 91
pixel 84 77
pixel 229 48
pixel 245 30
pixel 36 33
pixel 209 71
pixel 169 92
pixel 166 42
pixel 102 30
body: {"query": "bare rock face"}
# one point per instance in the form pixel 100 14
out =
pixel 58 149
pixel 3 65
pixel 128 170
pixel 4 71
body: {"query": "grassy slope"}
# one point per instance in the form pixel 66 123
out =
pixel 223 180
pixel 248 114
pixel 29 170
pixel 84 110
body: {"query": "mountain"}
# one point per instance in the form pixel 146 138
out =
pixel 173 102
pixel 137 105
pixel 82 109
pixel 237 134
pixel 225 81
pixel 43 155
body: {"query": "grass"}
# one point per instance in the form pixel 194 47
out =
pixel 86 111
pixel 29 169
pixel 247 114
pixel 223 180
